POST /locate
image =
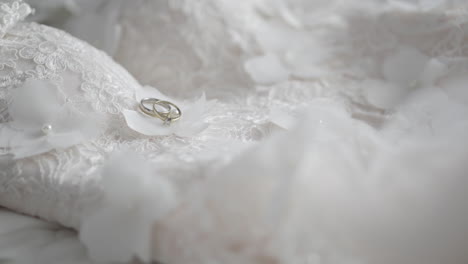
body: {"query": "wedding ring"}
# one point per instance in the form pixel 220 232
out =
pixel 164 110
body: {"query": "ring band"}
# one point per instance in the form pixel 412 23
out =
pixel 146 110
pixel 169 112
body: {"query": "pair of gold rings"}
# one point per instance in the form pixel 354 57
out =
pixel 164 110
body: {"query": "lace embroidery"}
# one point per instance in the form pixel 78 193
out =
pixel 54 52
pixel 46 53
pixel 8 57
pixel 12 13
pixel 35 51
pixel 101 90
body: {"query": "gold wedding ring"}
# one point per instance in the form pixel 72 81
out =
pixel 164 110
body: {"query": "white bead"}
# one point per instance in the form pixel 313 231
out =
pixel 46 129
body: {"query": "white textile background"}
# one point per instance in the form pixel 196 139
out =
pixel 336 133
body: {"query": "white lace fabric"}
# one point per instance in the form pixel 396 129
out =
pixel 59 182
pixel 382 82
pixel 11 14
pixel 87 77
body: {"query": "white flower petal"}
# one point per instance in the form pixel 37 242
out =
pixel 266 69
pixel 25 144
pixel 134 200
pixel 404 66
pixel 191 122
pixel 88 125
pixel 383 94
pixel 189 129
pixel 282 118
pixel 195 112
pixel 31 148
pixel 305 62
pixel 434 70
pixel 34 104
pixel 193 115
pixel 65 140
pixel 145 125
pixel 429 113
pixel 457 88
pixel 13 139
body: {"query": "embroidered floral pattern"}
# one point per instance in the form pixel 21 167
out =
pixel 12 13
pixel 46 55
pixel 7 57
pixel 102 94
pixel 55 52
pixel 41 72
pixel 51 55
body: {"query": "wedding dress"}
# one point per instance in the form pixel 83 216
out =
pixel 324 143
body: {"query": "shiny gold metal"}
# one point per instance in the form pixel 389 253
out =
pixel 164 110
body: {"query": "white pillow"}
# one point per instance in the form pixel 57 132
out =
pixel 57 94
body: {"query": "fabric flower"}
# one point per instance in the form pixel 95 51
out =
pixel 134 199
pixel 47 53
pixel 42 121
pixel 56 50
pixel 403 71
pixel 12 13
pixel 191 123
pixel 404 65
pixel 282 118
pixel 266 69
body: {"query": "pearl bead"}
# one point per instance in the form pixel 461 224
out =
pixel 46 129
